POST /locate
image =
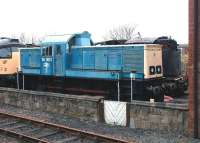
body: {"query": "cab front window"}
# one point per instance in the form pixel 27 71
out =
pixel 5 53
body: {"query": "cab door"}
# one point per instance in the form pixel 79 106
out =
pixel 59 62
pixel 47 61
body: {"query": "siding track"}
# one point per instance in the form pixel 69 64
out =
pixel 32 130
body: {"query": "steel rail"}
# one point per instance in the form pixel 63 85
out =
pixel 21 136
pixel 69 129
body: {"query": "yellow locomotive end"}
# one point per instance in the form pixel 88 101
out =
pixel 9 61
pixel 9 56
pixel 153 61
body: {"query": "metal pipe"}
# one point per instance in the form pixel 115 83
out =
pixel 23 81
pixel 17 79
pixel 131 87
pixel 196 78
pixel 118 88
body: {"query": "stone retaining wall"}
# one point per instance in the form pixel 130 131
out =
pixel 145 115
pixel 168 117
pixel 82 107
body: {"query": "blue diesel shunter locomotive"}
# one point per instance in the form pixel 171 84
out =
pixel 73 64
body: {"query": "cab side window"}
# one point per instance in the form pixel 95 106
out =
pixel 5 53
pixel 58 49
pixel 50 51
pixel 47 51
pixel 43 51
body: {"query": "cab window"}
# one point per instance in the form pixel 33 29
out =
pixel 47 51
pixel 5 53
pixel 58 49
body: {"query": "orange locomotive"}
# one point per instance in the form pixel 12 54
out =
pixel 9 61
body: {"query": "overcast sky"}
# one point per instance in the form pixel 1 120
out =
pixel 42 17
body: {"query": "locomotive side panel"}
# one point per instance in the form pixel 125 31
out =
pixel 30 60
pixel 88 59
pixel 171 62
pixel 115 59
pixel 76 58
pixel 133 59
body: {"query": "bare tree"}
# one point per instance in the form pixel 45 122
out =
pixel 29 39
pixel 36 39
pixel 33 39
pixel 22 38
pixel 123 32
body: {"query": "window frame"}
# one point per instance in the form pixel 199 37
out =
pixel 47 51
pixel 10 50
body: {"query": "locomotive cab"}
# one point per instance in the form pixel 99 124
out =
pixel 56 52
pixel 9 61
pixel 6 64
pixel 53 59
pixel 9 56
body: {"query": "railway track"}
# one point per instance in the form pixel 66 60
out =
pixel 37 131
